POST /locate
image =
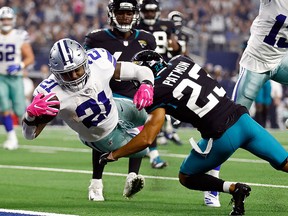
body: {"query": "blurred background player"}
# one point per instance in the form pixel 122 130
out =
pixel 123 41
pixel 16 54
pixel 164 33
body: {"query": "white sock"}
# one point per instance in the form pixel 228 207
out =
pixel 153 154
pixel 226 186
pixel 12 135
pixel 214 173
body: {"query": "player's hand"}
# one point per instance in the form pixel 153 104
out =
pixel 13 69
pixel 106 157
pixel 144 96
pixel 41 105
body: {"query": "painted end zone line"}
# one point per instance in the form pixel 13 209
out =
pixel 22 212
pixel 115 174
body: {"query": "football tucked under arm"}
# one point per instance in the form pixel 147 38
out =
pixel 42 110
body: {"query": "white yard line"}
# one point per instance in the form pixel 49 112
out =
pixel 113 174
pixel 50 149
pixel 22 212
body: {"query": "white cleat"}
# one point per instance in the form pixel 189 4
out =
pixel 211 199
pixel 95 190
pixel 134 184
pixel 10 144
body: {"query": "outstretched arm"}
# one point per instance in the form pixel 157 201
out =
pixel 142 140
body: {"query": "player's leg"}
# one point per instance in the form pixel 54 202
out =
pixel 193 171
pixel 95 189
pixel 211 198
pixel 155 160
pixel 247 87
pixel 11 93
pixel 171 130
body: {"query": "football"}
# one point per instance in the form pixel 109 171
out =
pixel 44 119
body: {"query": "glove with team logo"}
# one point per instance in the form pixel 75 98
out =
pixel 106 157
pixel 43 105
pixel 144 96
pixel 13 69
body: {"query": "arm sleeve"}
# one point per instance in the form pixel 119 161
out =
pixel 130 71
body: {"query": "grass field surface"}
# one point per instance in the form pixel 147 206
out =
pixel 52 174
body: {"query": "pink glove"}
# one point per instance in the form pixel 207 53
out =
pixel 144 96
pixel 42 106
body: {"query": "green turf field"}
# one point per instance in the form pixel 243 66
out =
pixel 52 173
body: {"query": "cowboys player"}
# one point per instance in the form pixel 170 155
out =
pixel 185 91
pixel 16 54
pixel 81 83
pixel 123 41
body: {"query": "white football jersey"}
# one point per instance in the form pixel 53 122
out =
pixel 10 48
pixel 268 41
pixel 91 112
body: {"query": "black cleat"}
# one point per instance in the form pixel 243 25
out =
pixel 239 195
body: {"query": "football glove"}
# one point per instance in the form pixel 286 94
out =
pixel 144 96
pixel 41 105
pixel 105 158
pixel 13 69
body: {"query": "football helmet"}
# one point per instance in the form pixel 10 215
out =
pixel 151 59
pixel 67 55
pixel 7 13
pixel 150 5
pixel 125 5
pixel 177 17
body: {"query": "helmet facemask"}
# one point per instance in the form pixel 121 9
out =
pixel 150 5
pixel 123 5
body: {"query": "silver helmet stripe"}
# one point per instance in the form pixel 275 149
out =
pixel 65 53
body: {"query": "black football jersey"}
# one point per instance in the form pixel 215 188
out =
pixel 190 95
pixel 122 50
pixel 162 31
pixel 183 40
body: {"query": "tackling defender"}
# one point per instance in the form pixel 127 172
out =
pixel 185 91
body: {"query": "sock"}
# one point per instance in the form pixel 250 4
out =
pixel 226 186
pixel 7 122
pixel 153 154
pixel 215 172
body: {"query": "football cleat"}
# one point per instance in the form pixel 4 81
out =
pixel 95 190
pixel 161 139
pixel 211 199
pixel 134 183
pixel 241 192
pixel 10 144
pixel 174 137
pixel 158 163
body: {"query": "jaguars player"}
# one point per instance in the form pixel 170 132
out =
pixel 162 29
pixel 186 91
pixel 16 54
pixel 123 41
pixel 81 83
pixel 182 32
